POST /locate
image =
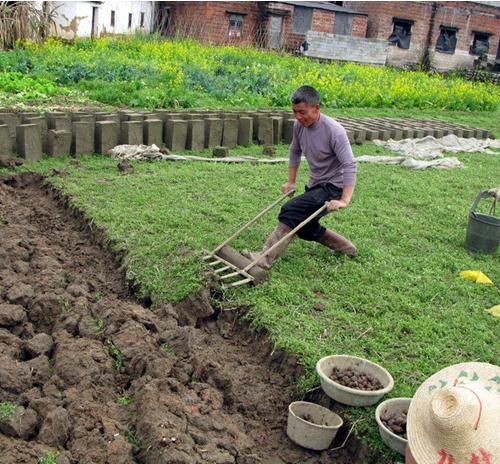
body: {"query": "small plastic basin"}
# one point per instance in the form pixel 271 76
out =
pixel 318 432
pixel 394 406
pixel 352 396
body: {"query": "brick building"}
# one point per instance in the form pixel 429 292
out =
pixel 444 34
pixel 267 24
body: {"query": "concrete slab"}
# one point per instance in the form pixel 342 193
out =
pixel 288 130
pixel 107 135
pixel 176 134
pixel 196 134
pixel 28 114
pixel 213 132
pixel 230 132
pixel 29 141
pixel 11 120
pixel 42 123
pixel 82 138
pixel 135 117
pixel 245 131
pixel 265 131
pixel 59 142
pixel 277 129
pixel 59 123
pixel 131 132
pixel 152 132
pixel 6 150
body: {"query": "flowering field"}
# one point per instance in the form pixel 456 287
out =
pixel 150 72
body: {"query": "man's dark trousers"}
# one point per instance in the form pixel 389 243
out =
pixel 301 207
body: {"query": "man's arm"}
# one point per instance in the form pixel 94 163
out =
pixel 342 148
pixel 292 179
pixel 293 166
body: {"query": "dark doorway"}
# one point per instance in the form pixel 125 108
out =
pixel 274 31
pixel 342 24
pixel 95 23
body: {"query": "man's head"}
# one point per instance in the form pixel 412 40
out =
pixel 305 104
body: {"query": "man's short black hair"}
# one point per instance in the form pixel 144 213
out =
pixel 305 94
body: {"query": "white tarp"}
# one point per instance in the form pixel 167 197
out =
pixel 428 147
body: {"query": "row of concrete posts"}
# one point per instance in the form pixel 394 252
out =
pixel 58 134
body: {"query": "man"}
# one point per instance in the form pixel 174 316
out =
pixel 332 170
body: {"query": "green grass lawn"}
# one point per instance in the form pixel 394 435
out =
pixel 400 303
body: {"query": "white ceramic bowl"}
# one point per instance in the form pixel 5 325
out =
pixel 316 434
pixel 392 406
pixel 347 395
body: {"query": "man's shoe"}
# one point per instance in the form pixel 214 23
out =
pixel 338 243
pixel 267 261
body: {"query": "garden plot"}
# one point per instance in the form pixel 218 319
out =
pixel 89 375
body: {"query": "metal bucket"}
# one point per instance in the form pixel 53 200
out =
pixel 483 230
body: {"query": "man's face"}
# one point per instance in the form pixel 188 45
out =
pixel 306 114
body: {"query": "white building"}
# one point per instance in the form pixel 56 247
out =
pixel 94 19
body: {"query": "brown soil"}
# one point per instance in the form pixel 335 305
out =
pixel 99 378
pixel 350 378
pixel 396 423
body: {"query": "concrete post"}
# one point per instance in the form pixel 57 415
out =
pixel 106 136
pixel 131 132
pixel 82 138
pixel 196 134
pixel 29 141
pixel 153 132
pixel 230 132
pixel 176 134
pixel 59 143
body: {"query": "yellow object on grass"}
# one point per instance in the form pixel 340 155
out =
pixel 494 310
pixel 476 276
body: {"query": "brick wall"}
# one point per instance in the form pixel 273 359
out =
pixel 466 16
pixel 322 21
pixel 209 21
pixel 346 48
pixel 359 26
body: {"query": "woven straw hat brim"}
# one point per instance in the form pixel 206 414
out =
pixel 427 441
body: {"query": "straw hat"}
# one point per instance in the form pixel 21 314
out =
pixel 454 417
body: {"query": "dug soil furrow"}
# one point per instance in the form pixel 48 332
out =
pixel 92 376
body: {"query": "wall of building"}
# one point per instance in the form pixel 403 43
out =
pixel 359 25
pixel 209 21
pixel 466 16
pixel 346 48
pixel 74 19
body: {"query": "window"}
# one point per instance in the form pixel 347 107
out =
pixel 235 25
pixel 447 40
pixel 401 34
pixel 302 19
pixel 142 19
pixel 480 43
pixel 129 20
pixel 112 18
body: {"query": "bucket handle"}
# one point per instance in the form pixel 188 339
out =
pixel 480 195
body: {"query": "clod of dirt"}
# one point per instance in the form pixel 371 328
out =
pixel 20 294
pixel 40 344
pixel 396 423
pixel 10 162
pixel 125 167
pixel 55 428
pixel 353 379
pixel 20 424
pixel 269 150
pixel 59 172
pixel 11 315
